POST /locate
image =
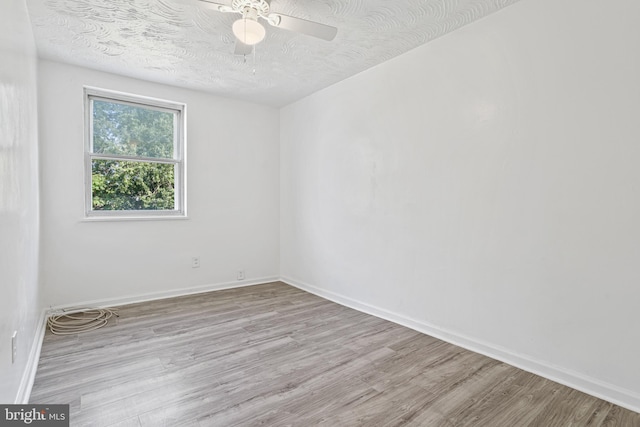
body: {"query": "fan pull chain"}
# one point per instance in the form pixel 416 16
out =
pixel 254 60
pixel 244 60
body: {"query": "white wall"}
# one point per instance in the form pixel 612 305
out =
pixel 484 187
pixel 19 291
pixel 233 199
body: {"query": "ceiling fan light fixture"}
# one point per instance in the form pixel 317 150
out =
pixel 248 31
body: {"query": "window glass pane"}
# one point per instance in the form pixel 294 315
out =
pixel 133 131
pixel 128 185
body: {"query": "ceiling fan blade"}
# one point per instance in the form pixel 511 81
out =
pixel 299 25
pixel 242 49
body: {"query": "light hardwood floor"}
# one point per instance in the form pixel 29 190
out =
pixel 273 355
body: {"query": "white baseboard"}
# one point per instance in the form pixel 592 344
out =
pixel 132 299
pixel 600 389
pixel 29 374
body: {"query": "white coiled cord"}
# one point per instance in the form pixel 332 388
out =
pixel 77 321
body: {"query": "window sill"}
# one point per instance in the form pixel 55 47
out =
pixel 134 218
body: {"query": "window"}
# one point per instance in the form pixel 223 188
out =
pixel 134 156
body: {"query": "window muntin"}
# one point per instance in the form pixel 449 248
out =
pixel 134 162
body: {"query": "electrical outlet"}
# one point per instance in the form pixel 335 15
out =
pixel 240 275
pixel 14 346
pixel 195 262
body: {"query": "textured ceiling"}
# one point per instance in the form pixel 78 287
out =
pixel 182 43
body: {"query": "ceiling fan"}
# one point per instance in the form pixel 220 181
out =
pixel 249 31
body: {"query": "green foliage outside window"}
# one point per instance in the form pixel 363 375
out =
pixel 126 130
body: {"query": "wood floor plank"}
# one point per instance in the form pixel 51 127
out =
pixel 272 355
pixel 573 409
pixel 618 416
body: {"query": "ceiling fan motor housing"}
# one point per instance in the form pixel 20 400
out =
pixel 255 7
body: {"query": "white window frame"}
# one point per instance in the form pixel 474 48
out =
pixel 179 157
